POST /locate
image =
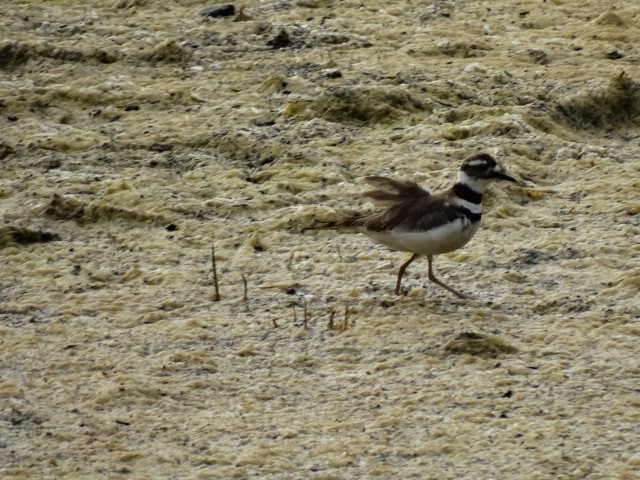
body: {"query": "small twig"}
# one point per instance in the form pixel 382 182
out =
pixel 295 317
pixel 244 282
pixel 275 325
pixel 345 322
pixel 332 313
pixel 290 263
pixel 216 295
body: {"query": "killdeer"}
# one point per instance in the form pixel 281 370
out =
pixel 424 224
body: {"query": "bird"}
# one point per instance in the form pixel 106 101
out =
pixel 415 220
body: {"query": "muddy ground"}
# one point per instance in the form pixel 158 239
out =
pixel 137 135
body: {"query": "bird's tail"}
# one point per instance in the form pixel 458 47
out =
pixel 346 223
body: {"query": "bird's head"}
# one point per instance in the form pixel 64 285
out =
pixel 479 170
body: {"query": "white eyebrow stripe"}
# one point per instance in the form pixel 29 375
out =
pixel 475 163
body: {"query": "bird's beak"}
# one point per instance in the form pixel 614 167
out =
pixel 502 176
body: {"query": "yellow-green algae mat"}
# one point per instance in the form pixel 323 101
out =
pixel 134 138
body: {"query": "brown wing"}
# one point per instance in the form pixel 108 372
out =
pixel 409 206
pixel 391 192
pixel 425 213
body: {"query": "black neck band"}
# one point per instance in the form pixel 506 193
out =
pixel 473 217
pixel 464 192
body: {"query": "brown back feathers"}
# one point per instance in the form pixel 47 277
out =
pixel 391 192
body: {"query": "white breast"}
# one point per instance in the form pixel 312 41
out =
pixel 443 239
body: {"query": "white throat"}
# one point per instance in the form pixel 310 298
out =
pixel 475 184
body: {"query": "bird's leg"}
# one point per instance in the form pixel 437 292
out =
pixel 435 280
pixel 401 271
